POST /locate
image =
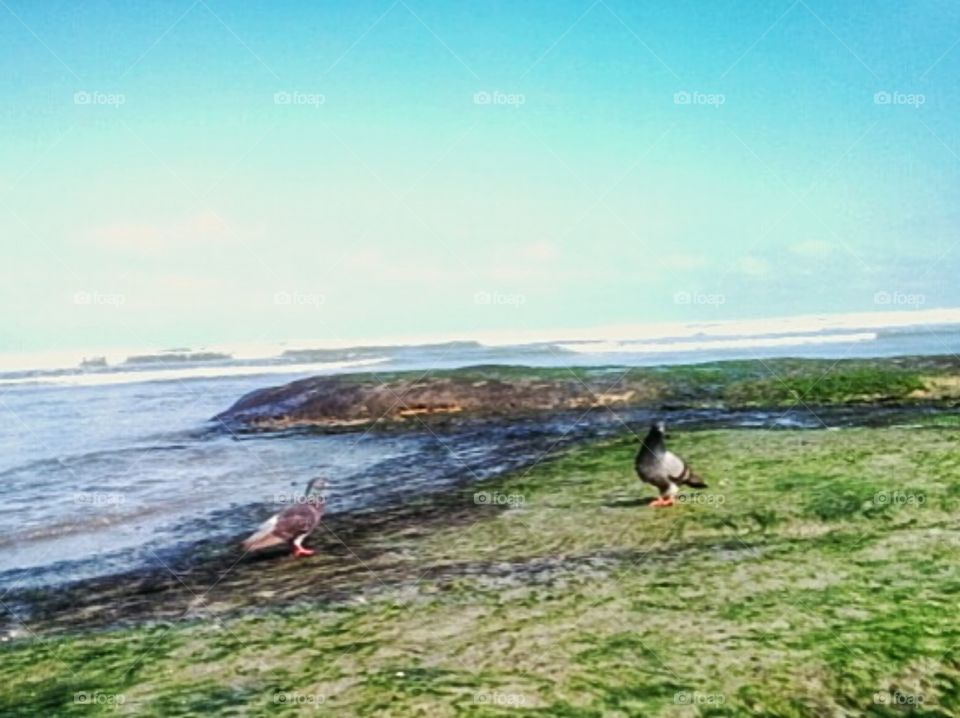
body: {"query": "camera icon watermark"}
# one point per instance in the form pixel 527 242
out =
pixel 499 299
pixel 897 698
pixel 297 98
pixel 498 498
pixel 97 499
pixel 84 298
pixel 299 299
pixel 701 499
pixel 696 698
pixel 699 298
pixel 292 698
pixel 899 299
pixel 97 98
pixel 710 99
pixel 98 698
pixel 899 498
pixel 498 698
pixel 495 97
pixel 910 99
pixel 293 498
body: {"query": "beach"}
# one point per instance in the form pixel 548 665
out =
pixel 106 469
pixel 418 360
pixel 507 563
pixel 561 593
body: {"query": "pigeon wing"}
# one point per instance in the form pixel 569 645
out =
pixel 674 467
pixel 264 536
pixel 296 521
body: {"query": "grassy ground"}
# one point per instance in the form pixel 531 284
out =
pixel 818 575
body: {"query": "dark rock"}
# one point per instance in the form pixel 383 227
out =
pixel 338 402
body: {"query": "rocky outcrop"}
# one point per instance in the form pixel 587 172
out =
pixel 342 402
pixel 357 400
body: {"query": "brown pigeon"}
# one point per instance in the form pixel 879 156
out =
pixel 293 524
pixel 663 469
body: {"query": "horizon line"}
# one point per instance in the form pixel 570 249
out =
pixel 610 333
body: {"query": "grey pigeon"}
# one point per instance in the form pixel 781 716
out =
pixel 663 469
pixel 293 524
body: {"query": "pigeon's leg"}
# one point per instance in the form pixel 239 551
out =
pixel 662 501
pixel 666 497
pixel 298 549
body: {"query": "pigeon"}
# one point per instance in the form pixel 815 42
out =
pixel 293 524
pixel 663 469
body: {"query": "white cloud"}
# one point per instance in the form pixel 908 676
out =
pixel 202 228
pixel 812 248
pixel 542 251
pixel 753 266
pixel 683 262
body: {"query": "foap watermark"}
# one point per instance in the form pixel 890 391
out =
pixel 98 698
pixel 911 99
pixel 899 299
pixel 289 499
pixel 299 299
pixel 696 698
pixel 498 698
pixel 96 498
pixel 497 498
pixel 702 499
pixel 293 698
pixel 897 698
pixel 899 498
pixel 97 98
pixel 499 299
pixel 99 299
pixel 301 99
pixel 711 99
pixel 699 298
pixel 508 99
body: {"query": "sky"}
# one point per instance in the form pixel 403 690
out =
pixel 200 172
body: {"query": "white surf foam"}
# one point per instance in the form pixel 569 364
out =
pixel 636 347
pixel 199 372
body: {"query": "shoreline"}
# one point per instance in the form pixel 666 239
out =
pixel 748 394
pixel 806 542
pixel 166 590
pixel 800 323
pixel 552 581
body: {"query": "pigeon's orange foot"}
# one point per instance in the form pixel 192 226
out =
pixel 299 551
pixel 663 501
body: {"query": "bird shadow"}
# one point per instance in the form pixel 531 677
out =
pixel 629 503
pixel 267 554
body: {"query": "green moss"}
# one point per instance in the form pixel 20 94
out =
pixel 794 591
pixel 79 676
pixel 742 383
pixel 838 385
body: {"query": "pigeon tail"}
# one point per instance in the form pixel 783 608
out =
pixel 256 543
pixel 264 537
pixel 688 478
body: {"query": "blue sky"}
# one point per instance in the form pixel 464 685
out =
pixel 185 173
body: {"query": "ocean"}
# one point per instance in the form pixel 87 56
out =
pixel 114 463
